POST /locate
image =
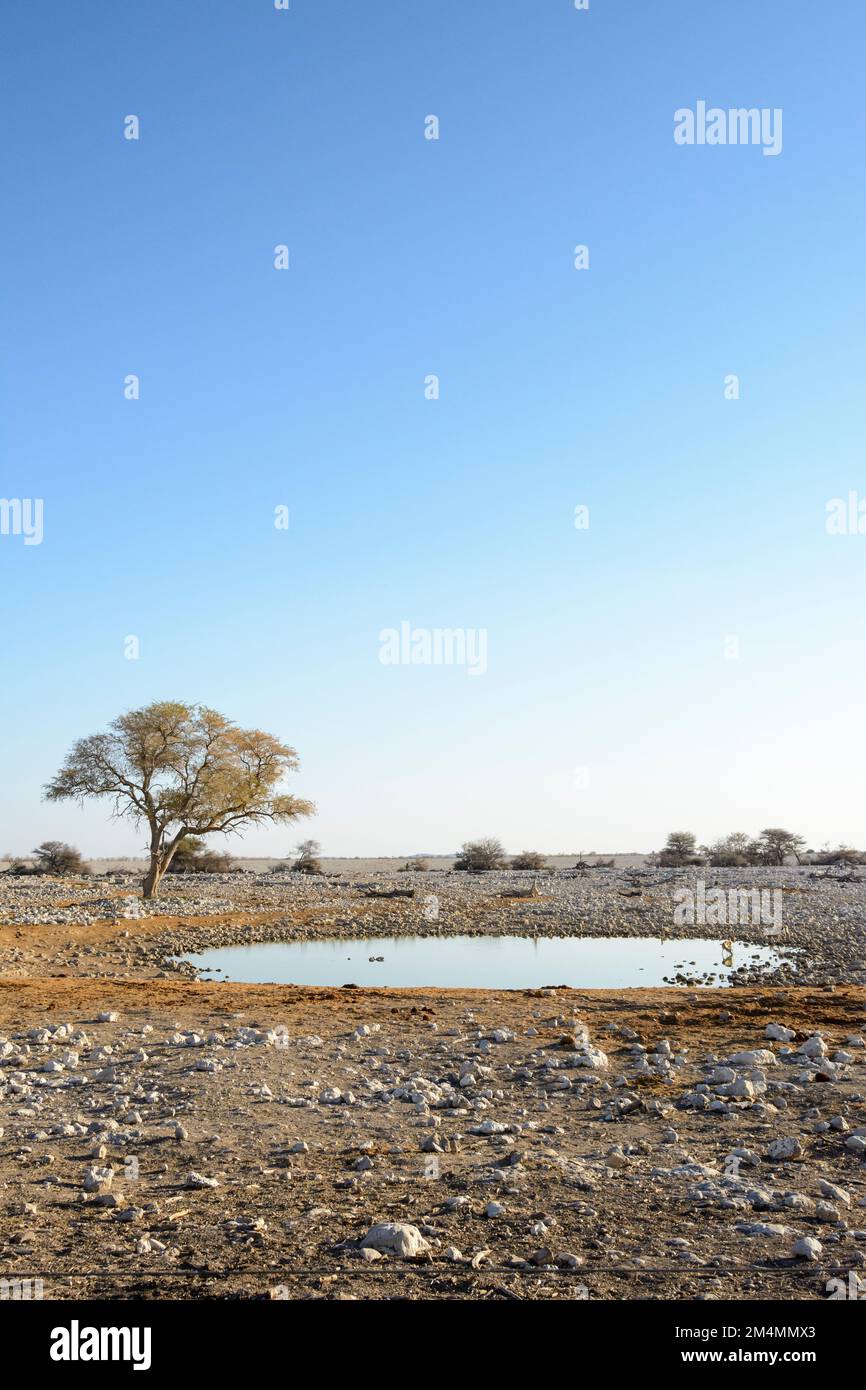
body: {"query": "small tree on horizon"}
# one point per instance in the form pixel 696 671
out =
pixel 777 844
pixel 680 849
pixel 307 861
pixel 55 857
pixel 181 770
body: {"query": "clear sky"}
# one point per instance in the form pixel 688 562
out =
pixel 614 706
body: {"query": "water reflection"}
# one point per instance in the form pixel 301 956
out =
pixel 491 962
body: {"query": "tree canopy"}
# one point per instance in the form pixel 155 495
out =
pixel 181 770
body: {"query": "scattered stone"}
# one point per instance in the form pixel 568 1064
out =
pixel 786 1147
pixel 395 1238
pixel 194 1179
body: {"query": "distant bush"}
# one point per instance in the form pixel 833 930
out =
pixel 844 854
pixel 192 856
pixel 735 851
pixel 680 850
pixel 307 861
pixel 415 866
pixel 479 856
pixel 529 859
pixel 54 857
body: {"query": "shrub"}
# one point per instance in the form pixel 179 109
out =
pixel 843 854
pixel 192 856
pixel 479 856
pixel 54 857
pixel 725 859
pixel 415 866
pixel 529 859
pixel 734 851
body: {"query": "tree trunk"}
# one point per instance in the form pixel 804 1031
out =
pixel 160 858
pixel 150 887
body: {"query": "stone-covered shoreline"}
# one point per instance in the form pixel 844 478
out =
pixel 822 936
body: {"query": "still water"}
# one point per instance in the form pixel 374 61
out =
pixel 480 962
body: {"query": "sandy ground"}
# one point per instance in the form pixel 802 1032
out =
pixel 316 1114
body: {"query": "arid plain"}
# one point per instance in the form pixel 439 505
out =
pixel 172 1137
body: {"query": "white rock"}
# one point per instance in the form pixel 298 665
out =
pixel 808 1248
pixel 762 1057
pixel 589 1056
pixel 762 1228
pixel 198 1180
pixel 788 1146
pixel 778 1033
pixel 741 1089
pixel 489 1127
pixel 836 1194
pixel 395 1238
pixel 98 1179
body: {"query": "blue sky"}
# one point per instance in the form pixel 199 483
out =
pixel 608 713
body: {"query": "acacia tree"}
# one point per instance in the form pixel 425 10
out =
pixel 679 850
pixel 777 844
pixel 181 770
pixel 54 857
pixel 307 861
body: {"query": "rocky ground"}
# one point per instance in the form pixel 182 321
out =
pixel 822 937
pixel 171 1138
